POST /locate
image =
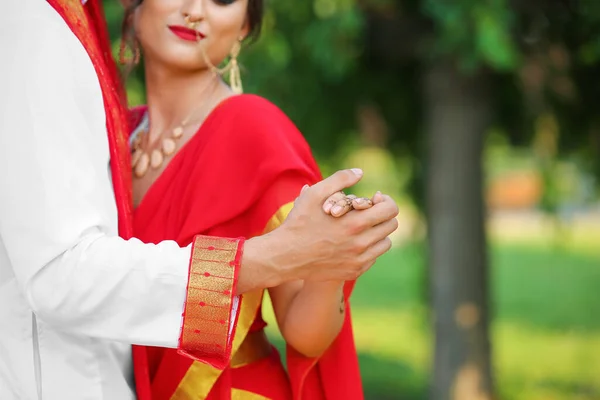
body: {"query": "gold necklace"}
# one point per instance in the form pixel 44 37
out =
pixel 142 160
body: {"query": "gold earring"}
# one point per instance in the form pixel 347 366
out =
pixel 235 77
pixel 134 48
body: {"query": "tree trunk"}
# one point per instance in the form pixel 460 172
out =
pixel 457 116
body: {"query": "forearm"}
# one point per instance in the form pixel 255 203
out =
pixel 114 289
pixel 315 317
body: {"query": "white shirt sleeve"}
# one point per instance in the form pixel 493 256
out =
pixel 58 219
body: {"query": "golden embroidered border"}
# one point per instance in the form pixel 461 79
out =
pixel 207 313
pixel 200 378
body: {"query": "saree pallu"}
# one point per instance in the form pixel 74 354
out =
pixel 238 176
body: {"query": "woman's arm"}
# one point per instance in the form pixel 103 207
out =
pixel 310 314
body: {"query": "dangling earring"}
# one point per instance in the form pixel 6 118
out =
pixel 135 53
pixel 235 77
pixel 233 67
pixel 129 43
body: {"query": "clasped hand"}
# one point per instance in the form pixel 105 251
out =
pixel 323 247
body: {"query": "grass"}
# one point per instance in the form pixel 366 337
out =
pixel 545 332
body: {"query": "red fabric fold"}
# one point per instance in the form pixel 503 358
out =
pixel 246 162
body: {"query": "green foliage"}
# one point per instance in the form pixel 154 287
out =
pixel 321 61
pixel 476 32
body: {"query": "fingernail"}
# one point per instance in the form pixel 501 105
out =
pixel 357 171
pixel 336 210
pixel 304 188
pixel 359 201
pixel 327 207
pixel 378 192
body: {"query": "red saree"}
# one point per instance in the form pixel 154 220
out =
pixel 238 176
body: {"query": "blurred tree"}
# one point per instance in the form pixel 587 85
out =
pixel 514 65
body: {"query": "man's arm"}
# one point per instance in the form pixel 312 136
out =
pixel 57 210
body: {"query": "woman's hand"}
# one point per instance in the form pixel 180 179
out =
pixel 339 204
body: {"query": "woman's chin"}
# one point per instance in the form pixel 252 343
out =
pixel 181 62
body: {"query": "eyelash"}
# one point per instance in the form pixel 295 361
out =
pixel 224 2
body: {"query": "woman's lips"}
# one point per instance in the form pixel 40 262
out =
pixel 186 33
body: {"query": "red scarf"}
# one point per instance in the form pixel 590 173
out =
pixel 88 24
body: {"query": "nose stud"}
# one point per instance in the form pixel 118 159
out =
pixel 189 23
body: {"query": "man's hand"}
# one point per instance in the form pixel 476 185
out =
pixel 311 245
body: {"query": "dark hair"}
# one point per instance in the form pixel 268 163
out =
pixel 255 14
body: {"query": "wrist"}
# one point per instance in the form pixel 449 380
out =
pixel 260 267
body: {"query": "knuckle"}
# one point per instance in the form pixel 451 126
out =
pixel 366 259
pixel 359 246
pixel 343 175
pixel 334 197
pixel 351 227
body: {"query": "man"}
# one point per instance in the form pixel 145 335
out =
pixel 73 293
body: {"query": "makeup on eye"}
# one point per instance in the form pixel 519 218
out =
pixel 224 2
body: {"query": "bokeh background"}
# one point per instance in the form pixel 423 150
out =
pixel 482 119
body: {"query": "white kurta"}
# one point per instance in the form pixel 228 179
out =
pixel 73 295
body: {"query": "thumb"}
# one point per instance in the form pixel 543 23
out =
pixel 335 183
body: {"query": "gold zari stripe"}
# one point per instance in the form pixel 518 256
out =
pixel 200 378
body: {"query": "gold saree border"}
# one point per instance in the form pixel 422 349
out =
pixel 213 270
pixel 278 218
pixel 200 378
pixel 238 394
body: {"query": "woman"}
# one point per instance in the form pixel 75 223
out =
pixel 201 136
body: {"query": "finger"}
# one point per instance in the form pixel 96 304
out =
pixel 361 270
pixel 366 267
pixel 377 233
pixel 332 200
pixel 362 203
pixel 378 198
pixel 379 213
pixel 375 251
pixel 335 183
pixel 343 206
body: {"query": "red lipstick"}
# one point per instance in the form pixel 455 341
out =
pixel 186 33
